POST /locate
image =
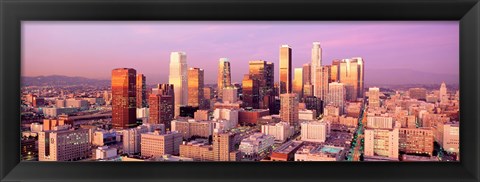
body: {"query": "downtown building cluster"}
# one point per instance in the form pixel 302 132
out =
pixel 313 113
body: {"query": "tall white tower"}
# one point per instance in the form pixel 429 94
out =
pixel 443 96
pixel 316 63
pixel 178 77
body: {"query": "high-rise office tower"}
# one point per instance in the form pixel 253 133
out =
pixel 351 73
pixel 141 91
pixel 162 105
pixel 178 77
pixel 336 95
pixel 285 69
pixel 289 108
pixel 207 93
pixel 195 87
pixel 443 96
pixel 263 72
pixel 361 73
pixel 298 82
pixel 316 63
pixel 270 77
pixel 250 87
pixel 322 81
pixel 374 97
pixel 307 73
pixel 124 98
pixel 224 77
pixel 334 68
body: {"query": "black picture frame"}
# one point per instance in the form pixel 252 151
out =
pixel 12 12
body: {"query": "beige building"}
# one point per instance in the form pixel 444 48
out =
pixel 447 135
pixel 383 122
pixel 192 128
pixel 201 115
pixel 65 145
pixel 382 142
pixel 281 131
pixel 230 94
pixel 416 140
pixel 222 149
pixel 289 108
pixel 156 144
pixel 315 131
pixel 374 97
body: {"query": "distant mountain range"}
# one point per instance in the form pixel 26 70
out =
pixel 406 76
pixel 58 80
pixel 372 77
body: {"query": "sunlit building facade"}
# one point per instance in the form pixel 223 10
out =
pixel 224 77
pixel 285 69
pixel 124 98
pixel 141 91
pixel 195 87
pixel 178 78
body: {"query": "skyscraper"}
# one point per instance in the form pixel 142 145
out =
pixel 351 73
pixel 141 91
pixel 124 98
pixel 361 73
pixel 224 77
pixel 298 82
pixel 263 72
pixel 289 108
pixel 270 77
pixel 443 96
pixel 336 95
pixel 285 69
pixel 334 77
pixel 178 77
pixel 322 81
pixel 307 73
pixel 162 105
pixel 195 87
pixel 316 63
pixel 250 91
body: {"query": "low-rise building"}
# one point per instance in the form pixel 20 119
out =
pixel 256 146
pixel 320 153
pixel 286 152
pixel 280 131
pixel 155 144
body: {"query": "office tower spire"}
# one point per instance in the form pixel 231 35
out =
pixel 285 69
pixel 195 87
pixel 316 63
pixel 224 78
pixel 443 93
pixel 178 77
pixel 141 91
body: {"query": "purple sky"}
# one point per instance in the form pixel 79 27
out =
pixel 93 49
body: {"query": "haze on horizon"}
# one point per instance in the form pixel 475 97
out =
pixel 93 49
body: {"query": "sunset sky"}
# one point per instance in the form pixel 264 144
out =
pixel 93 49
